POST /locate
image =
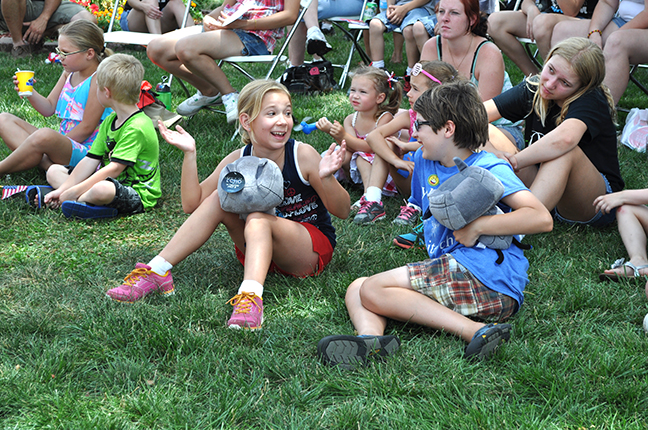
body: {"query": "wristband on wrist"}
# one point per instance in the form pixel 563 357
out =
pixel 594 31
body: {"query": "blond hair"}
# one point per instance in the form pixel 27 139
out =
pixel 384 84
pixel 122 74
pixel 251 101
pixel 588 62
pixel 86 35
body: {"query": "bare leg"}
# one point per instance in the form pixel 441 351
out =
pixel 101 193
pixel 13 12
pixel 420 34
pixel 173 15
pixel 397 55
pixel 504 27
pixel 30 153
pixel 376 32
pixel 633 225
pixel 56 175
pixel 14 130
pixel 543 27
pixel 413 53
pixel 622 48
pixel 365 172
pixel 389 294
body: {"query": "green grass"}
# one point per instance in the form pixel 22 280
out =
pixel 71 358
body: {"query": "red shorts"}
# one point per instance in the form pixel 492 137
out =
pixel 321 245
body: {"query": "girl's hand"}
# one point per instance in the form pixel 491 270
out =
pixel 332 160
pixel 210 23
pixel 151 10
pixel 337 130
pixel 607 202
pixel 404 147
pixel 324 125
pixel 180 139
pixel 404 165
pixel 510 158
pixel 529 24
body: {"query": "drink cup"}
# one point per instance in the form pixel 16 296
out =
pixel 25 82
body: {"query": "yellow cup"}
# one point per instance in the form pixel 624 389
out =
pixel 25 82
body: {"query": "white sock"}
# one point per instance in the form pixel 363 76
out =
pixel 250 286
pixel 373 194
pixel 379 64
pixel 160 266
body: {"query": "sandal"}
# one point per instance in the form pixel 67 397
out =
pixel 37 190
pixel 615 277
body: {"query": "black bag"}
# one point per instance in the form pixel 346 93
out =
pixel 309 78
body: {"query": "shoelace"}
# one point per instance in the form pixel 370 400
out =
pixel 135 276
pixel 407 212
pixel 364 206
pixel 243 302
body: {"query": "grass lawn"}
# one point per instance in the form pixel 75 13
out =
pixel 72 358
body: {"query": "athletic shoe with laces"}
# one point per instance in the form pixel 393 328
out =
pixel 409 215
pixel 348 352
pixel 196 102
pixel 316 43
pixel 358 204
pixel 140 283
pixel 410 240
pixel 231 107
pixel 370 212
pixel 248 311
pixel 487 340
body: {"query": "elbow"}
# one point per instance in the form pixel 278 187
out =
pixel 189 208
pixel 546 223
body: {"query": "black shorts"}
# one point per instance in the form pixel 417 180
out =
pixel 126 201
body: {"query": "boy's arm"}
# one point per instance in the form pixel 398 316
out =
pixel 319 171
pixel 529 216
pixel 86 167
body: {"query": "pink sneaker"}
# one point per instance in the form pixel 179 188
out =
pixel 248 311
pixel 140 283
pixel 409 215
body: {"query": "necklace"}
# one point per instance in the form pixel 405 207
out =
pixel 465 55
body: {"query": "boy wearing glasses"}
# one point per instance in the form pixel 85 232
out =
pixel 462 289
pixel 120 175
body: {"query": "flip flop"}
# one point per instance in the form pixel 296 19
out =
pixel 615 277
pixel 82 210
pixel 37 190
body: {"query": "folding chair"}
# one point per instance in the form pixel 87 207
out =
pixel 529 45
pixel 354 34
pixel 133 37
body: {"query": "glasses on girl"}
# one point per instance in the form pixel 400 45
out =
pixel 418 69
pixel 64 54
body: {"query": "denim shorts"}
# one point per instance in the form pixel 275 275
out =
pixel 126 201
pixel 123 20
pixel 330 8
pixel 599 220
pixel 620 22
pixel 516 133
pixel 429 22
pixel 253 45
pixel 411 17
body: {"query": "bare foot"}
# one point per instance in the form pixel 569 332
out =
pixel 397 57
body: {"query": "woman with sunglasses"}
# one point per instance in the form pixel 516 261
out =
pixel 73 99
pixel 462 42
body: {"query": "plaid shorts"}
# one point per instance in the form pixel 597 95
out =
pixel 447 282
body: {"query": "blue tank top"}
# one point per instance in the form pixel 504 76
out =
pixel 301 202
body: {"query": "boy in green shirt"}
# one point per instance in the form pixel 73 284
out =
pixel 126 149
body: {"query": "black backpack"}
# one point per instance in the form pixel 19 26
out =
pixel 309 78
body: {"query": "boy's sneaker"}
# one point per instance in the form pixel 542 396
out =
pixel 140 283
pixel 358 204
pixel 351 351
pixel 248 311
pixel 409 215
pixel 410 240
pixel 231 107
pixel 486 340
pixel 370 212
pixel 196 102
pixel 316 43
pixel 82 210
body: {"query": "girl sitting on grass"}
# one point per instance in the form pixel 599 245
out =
pixel 572 154
pixel 298 242
pixel 375 96
pixel 73 99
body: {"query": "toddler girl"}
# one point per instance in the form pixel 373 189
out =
pixel 375 95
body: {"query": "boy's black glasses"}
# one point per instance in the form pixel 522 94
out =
pixel 418 124
pixel 65 54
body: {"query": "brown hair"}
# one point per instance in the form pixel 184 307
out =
pixel 86 35
pixel 384 84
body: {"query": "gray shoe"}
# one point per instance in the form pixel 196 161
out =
pixel 231 108
pixel 350 351
pixel 196 102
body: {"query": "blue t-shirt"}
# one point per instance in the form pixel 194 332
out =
pixel 509 277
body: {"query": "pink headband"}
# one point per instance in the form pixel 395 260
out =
pixel 418 68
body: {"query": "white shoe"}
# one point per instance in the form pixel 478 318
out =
pixel 231 107
pixel 196 102
pixel 316 43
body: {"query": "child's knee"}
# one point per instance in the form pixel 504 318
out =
pixel 101 193
pixel 56 175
